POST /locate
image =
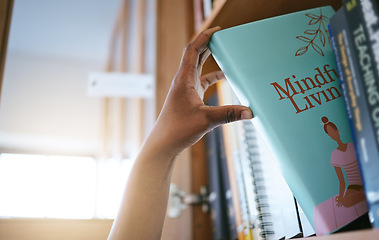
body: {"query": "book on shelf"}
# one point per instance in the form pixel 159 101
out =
pixel 220 199
pixel 284 69
pixel 229 141
pixel 267 205
pixel 305 225
pixel 277 211
pixel 355 37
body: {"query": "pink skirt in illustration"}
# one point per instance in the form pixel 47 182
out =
pixel 328 217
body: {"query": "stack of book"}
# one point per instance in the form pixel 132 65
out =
pixel 355 35
pixel 284 68
pixel 267 207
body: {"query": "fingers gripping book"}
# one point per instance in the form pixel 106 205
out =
pixel 284 69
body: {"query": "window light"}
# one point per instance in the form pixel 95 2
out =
pixel 38 186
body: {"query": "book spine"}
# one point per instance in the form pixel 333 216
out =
pixel 369 10
pixel 362 19
pixel 216 200
pixel 357 59
pixel 370 14
pixel 226 185
pixel 341 71
pixel 245 228
pixel 220 202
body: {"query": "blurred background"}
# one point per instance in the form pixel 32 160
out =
pixel 66 154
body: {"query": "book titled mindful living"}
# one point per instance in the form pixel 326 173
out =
pixel 284 69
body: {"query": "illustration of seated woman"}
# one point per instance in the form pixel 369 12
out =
pixel 350 203
pixel 345 157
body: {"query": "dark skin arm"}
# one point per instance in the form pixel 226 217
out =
pixel 183 120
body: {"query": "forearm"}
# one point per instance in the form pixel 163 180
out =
pixel 143 206
pixel 184 119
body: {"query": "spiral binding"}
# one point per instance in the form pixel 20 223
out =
pixel 264 217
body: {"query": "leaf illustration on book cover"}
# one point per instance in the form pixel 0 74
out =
pixel 314 18
pixel 312 35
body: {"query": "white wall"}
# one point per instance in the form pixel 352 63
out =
pixel 53 46
pixel 70 28
pixel 44 107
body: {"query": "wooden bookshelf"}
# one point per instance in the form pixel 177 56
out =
pixel 353 235
pixel 228 13
pixel 6 7
pixel 175 24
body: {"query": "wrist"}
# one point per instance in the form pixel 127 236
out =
pixel 157 146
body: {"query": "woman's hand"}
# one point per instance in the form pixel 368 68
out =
pixel 339 200
pixel 185 118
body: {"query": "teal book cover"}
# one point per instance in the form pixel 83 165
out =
pixel 284 69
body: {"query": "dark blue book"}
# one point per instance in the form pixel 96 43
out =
pixel 356 61
pixel 223 221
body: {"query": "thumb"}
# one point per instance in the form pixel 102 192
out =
pixel 225 114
